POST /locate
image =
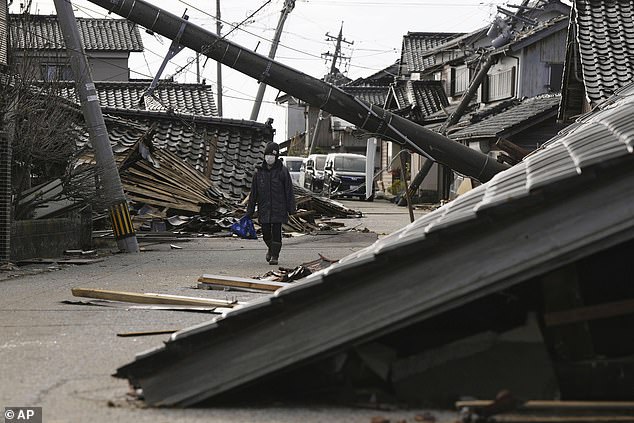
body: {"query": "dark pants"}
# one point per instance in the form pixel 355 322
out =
pixel 272 232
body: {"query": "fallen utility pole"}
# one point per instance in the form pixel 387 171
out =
pixel 371 118
pixel 286 10
pixel 113 190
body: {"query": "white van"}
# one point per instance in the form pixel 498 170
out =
pixel 344 175
pixel 293 164
pixel 313 177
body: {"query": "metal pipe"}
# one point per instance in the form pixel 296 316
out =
pixel 371 118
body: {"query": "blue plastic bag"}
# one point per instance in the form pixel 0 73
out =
pixel 244 228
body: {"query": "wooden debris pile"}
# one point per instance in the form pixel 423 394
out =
pixel 171 184
pixel 270 282
pixel 319 206
pixel 168 194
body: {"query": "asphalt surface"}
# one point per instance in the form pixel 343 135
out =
pixel 61 356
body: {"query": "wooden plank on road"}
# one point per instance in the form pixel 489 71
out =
pixel 242 282
pixel 148 298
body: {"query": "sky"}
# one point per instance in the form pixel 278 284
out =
pixel 375 29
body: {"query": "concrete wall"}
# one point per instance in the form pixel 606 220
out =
pixel 49 238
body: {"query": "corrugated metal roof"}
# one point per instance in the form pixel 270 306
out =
pixel 417 44
pixel 184 98
pixel 38 32
pixel 526 221
pixel 498 124
pixel 605 38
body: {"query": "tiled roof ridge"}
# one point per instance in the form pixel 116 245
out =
pixel 195 118
pixel 480 115
pixel 432 33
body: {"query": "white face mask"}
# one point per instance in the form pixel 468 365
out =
pixel 269 159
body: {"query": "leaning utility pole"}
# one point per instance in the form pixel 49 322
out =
pixel 329 78
pixel 286 10
pixel 337 54
pixel 219 64
pixel 113 190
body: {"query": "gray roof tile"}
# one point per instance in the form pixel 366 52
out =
pixel 605 38
pixel 501 123
pixel 38 32
pixel 371 94
pixel 423 98
pixel 195 99
pixel 187 137
pixel 416 44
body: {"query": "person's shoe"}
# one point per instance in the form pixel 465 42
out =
pixel 268 251
pixel 276 247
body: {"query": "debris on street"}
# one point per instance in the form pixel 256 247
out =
pixel 149 298
pixel 506 408
pixel 219 281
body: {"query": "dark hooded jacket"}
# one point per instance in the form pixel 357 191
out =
pixel 272 191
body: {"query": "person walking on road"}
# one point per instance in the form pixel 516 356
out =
pixel 272 192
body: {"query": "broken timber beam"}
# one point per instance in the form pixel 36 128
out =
pixel 587 313
pixel 242 282
pixel 148 298
pixel 556 405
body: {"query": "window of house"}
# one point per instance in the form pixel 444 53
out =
pixel 57 73
pixel 500 85
pixel 556 75
pixel 459 79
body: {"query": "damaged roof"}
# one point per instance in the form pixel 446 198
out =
pixel 423 97
pixel 514 118
pixel 195 99
pixel 40 32
pixel 235 146
pixel 604 32
pixel 383 77
pixel 414 57
pixel 554 202
pixel 532 34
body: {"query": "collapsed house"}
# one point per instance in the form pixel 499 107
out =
pixel 522 284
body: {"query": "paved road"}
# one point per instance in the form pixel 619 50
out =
pixel 61 356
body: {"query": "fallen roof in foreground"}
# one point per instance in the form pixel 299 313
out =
pixel 564 202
